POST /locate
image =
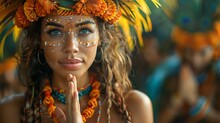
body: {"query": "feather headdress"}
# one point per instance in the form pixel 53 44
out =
pixel 196 23
pixel 132 12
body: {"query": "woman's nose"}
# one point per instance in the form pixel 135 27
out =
pixel 71 44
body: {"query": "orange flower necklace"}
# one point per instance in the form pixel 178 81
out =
pixel 86 113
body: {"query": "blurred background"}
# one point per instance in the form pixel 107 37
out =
pixel 177 66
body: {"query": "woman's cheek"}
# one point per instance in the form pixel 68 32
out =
pixel 91 53
pixel 51 57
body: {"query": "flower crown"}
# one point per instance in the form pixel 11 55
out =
pixel 34 9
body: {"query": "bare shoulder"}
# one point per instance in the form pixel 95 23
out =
pixel 11 106
pixel 139 106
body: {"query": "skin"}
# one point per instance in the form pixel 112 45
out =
pixel 71 78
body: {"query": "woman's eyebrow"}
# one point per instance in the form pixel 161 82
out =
pixel 84 23
pixel 53 24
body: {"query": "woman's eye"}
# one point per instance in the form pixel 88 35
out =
pixel 85 31
pixel 55 32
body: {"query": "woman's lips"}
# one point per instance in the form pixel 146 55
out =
pixel 71 64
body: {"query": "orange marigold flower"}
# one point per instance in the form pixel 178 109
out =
pixel 29 10
pixel 84 119
pixel 40 10
pixel 83 1
pixel 56 120
pixel 51 110
pixel 20 19
pixel 48 5
pixel 119 14
pixel 92 103
pixel 96 7
pixel 96 85
pixel 48 100
pixel 110 12
pixel 88 112
pixel 94 93
pixel 80 8
pixel 47 88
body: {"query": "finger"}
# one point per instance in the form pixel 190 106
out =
pixel 70 89
pixel 76 98
pixel 70 92
pixel 69 97
pixel 75 86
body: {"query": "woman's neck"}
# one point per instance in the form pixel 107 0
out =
pixel 61 82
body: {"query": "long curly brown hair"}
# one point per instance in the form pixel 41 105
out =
pixel 112 65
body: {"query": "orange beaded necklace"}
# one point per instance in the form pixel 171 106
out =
pixel 86 113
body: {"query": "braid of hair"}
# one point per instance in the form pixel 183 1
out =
pixel 37 104
pixel 120 103
pixel 109 95
pixel 125 113
pixel 31 111
pixel 109 103
pixel 27 112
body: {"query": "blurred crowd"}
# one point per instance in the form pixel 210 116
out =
pixel 178 66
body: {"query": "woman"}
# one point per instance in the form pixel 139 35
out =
pixel 75 64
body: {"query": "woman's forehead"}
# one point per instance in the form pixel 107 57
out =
pixel 66 19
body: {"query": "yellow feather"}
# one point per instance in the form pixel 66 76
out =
pixel 140 23
pixel 124 24
pixel 3 41
pixel 149 23
pixel 16 33
pixel 156 3
pixel 143 6
pixel 9 9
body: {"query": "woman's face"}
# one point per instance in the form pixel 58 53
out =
pixel 201 58
pixel 69 43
